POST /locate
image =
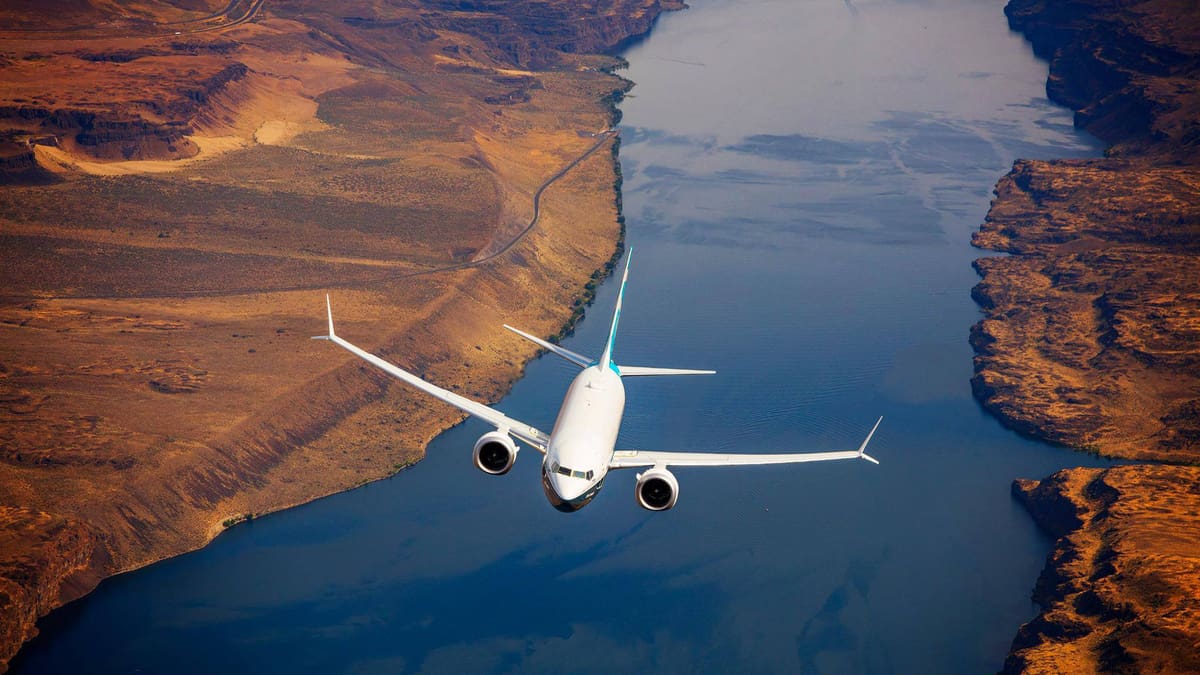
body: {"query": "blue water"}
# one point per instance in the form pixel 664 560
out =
pixel 801 181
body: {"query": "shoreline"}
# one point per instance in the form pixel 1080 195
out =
pixel 293 450
pixel 1089 339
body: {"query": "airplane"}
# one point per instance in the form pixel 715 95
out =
pixel 580 450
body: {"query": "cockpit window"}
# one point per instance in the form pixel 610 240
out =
pixel 555 467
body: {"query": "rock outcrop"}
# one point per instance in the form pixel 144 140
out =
pixel 1091 336
pixel 1092 330
pixel 1121 590
pixel 535 34
pixel 48 560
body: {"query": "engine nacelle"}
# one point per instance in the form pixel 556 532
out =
pixel 657 489
pixel 495 452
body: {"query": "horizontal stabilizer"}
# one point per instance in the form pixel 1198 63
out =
pixel 642 371
pixel 578 359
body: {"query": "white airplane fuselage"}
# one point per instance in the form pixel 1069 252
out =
pixel 584 436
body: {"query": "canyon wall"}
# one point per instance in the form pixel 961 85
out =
pixel 1091 336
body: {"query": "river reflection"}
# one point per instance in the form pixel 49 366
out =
pixel 801 182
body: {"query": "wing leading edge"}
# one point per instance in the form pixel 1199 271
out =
pixel 535 438
pixel 629 459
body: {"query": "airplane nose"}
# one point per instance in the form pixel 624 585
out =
pixel 558 484
pixel 550 485
pixel 564 495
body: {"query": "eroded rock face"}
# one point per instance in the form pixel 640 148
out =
pixel 1091 336
pixel 1121 590
pixel 534 34
pixel 48 560
pixel 1092 330
pixel 1128 68
pixel 147 110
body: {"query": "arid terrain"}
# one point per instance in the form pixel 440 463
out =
pixel 182 181
pixel 1091 336
pixel 1122 587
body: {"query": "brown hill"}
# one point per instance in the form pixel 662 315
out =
pixel 186 182
pixel 1122 589
pixel 1091 335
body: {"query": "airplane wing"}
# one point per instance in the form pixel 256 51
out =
pixel 535 438
pixel 628 459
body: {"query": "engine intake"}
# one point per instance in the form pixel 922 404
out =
pixel 657 489
pixel 495 452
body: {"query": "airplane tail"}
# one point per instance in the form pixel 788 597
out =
pixel 606 356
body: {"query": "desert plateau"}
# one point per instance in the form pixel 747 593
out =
pixel 183 181
pixel 1091 337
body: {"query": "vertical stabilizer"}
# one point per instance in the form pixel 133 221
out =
pixel 606 357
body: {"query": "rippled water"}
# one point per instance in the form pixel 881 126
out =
pixel 801 181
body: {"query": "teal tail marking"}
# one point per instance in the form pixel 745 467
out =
pixel 606 358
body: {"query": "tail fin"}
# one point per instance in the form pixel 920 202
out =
pixel 329 311
pixel 606 357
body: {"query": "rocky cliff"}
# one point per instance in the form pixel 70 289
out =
pixel 147 110
pixel 1092 330
pixel 535 34
pixel 1121 591
pixel 49 560
pixel 1091 335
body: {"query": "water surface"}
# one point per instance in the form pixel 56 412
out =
pixel 801 181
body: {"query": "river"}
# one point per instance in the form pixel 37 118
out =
pixel 802 178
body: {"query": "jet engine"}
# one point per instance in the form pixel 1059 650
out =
pixel 657 489
pixel 495 453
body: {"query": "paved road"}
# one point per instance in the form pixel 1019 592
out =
pixel 537 213
pixel 217 21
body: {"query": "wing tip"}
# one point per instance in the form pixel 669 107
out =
pixel 329 313
pixel 862 449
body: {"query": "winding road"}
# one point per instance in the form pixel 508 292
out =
pixel 603 138
pixel 537 213
pixel 217 21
